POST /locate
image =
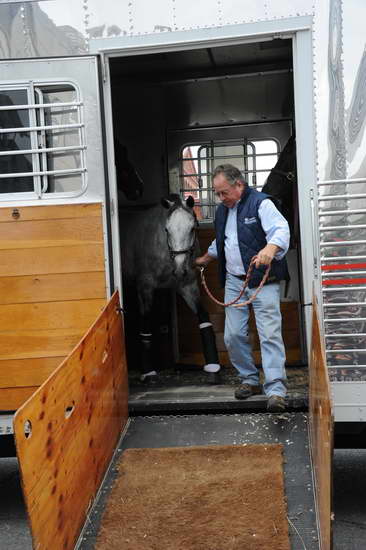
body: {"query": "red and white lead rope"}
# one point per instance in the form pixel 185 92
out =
pixel 245 284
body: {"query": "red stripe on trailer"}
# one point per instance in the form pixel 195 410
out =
pixel 334 267
pixel 329 282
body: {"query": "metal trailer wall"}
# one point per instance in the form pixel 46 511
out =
pixel 68 27
pixel 139 123
pixel 155 112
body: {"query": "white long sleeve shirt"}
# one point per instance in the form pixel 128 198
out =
pixel 274 225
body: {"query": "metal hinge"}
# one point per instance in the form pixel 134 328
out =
pixel 112 207
pixel 103 64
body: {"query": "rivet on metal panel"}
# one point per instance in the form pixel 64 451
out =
pixel 15 214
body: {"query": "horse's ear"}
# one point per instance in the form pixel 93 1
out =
pixel 190 202
pixel 167 203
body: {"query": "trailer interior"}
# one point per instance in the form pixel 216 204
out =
pixel 224 104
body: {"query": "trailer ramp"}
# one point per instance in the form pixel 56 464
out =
pixel 288 429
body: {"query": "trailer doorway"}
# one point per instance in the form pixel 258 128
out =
pixel 163 104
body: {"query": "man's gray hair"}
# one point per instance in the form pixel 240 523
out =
pixel 232 173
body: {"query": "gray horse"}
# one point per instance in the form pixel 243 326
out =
pixel 158 247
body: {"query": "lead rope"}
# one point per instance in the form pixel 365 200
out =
pixel 245 284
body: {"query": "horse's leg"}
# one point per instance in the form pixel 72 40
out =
pixel 145 296
pixel 190 293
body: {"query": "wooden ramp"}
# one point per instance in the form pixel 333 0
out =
pixel 321 432
pixel 67 431
pixel 289 430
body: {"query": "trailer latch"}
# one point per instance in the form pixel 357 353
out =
pixel 15 214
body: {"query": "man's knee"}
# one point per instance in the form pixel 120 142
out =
pixel 233 338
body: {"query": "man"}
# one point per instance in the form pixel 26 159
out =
pixel 247 223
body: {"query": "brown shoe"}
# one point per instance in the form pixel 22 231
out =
pixel 246 390
pixel 276 404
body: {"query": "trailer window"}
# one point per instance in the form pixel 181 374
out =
pixel 255 158
pixel 42 144
pixel 13 161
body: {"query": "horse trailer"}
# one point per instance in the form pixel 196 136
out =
pixel 105 108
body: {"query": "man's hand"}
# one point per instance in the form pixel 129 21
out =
pixel 266 255
pixel 204 260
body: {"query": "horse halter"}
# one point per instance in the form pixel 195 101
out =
pixel 174 253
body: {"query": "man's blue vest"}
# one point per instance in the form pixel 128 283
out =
pixel 251 238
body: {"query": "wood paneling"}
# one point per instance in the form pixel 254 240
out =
pixel 26 372
pixel 188 331
pixel 33 344
pixel 12 398
pixel 57 259
pixel 52 288
pixel 48 233
pixel 79 314
pixel 55 212
pixel 76 418
pixel 321 432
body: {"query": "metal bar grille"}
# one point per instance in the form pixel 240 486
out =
pixel 342 263
pixel 196 169
pixel 337 197
pixel 38 128
pixel 43 173
pixel 74 104
pixel 57 139
pixel 43 150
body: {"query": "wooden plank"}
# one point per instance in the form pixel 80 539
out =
pixel 76 418
pixel 73 314
pixel 69 259
pixel 321 432
pixel 51 232
pixel 48 211
pixel 12 398
pixel 52 287
pixel 38 343
pixel 27 372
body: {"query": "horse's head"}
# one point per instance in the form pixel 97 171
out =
pixel 283 175
pixel 180 227
pixel 128 179
pixel 287 160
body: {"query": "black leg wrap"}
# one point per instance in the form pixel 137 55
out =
pixel 209 344
pixel 202 314
pixel 146 353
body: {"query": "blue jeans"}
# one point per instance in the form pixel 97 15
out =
pixel 268 319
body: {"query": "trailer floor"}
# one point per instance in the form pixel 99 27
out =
pixel 185 389
pixel 290 429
